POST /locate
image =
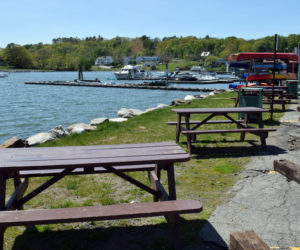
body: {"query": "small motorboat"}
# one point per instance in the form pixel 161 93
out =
pixel 3 75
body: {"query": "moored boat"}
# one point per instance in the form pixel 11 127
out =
pixel 130 72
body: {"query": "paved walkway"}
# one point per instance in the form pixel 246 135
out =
pixel 263 200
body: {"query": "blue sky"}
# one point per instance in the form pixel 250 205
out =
pixel 34 21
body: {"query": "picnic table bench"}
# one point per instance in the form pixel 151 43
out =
pixel 57 162
pixel 280 97
pixel 185 128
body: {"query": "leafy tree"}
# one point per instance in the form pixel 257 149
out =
pixel 17 56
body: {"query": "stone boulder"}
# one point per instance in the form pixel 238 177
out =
pixel 13 142
pixel 129 113
pixel 189 98
pixel 80 127
pixel 59 131
pixel 200 96
pixel 39 138
pixel 118 119
pixel 180 101
pixel 162 106
pixel 98 121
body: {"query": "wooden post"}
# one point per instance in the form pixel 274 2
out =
pixel 274 67
pixel 246 240
pixel 2 206
pixel 288 169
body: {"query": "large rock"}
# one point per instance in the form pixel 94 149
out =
pixel 98 121
pixel 160 106
pixel 118 119
pixel 189 98
pixel 59 131
pixel 180 101
pixel 13 142
pixel 80 127
pixel 129 113
pixel 39 138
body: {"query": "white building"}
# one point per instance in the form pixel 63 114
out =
pixel 104 60
pixel 148 60
pixel 205 54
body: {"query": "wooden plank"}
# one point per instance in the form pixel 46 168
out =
pixel 218 110
pixel 80 171
pixel 156 185
pixel 94 213
pixel 178 156
pixel 298 108
pixel 208 122
pixel 246 241
pixel 288 169
pixel 214 131
pixel 45 150
pixel 18 194
pixel 33 154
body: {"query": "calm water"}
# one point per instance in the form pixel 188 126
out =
pixel 29 109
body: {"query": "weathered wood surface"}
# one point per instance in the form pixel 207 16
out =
pixel 219 110
pixel 246 241
pixel 288 169
pixel 208 122
pixel 90 156
pixel 261 131
pixel 298 108
pixel 94 213
pixel 18 194
pixel 81 171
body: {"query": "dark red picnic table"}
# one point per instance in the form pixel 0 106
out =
pixel 21 164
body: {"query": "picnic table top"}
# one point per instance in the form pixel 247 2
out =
pixel 14 159
pixel 219 110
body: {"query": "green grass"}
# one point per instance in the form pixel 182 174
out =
pixel 212 170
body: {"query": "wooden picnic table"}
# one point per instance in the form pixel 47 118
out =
pixel 57 162
pixel 189 128
pixel 280 97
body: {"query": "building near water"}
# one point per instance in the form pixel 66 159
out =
pixel 148 60
pixel 104 60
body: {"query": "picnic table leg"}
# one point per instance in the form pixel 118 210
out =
pixel 17 181
pixel 178 128
pixel 262 137
pixel 246 120
pixel 171 181
pixel 188 137
pixel 2 206
pixel 174 219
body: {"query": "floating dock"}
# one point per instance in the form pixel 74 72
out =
pixel 113 85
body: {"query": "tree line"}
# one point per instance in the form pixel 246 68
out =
pixel 67 53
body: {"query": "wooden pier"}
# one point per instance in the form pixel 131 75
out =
pixel 113 85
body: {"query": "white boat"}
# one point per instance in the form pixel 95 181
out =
pixel 202 74
pixel 3 75
pixel 130 72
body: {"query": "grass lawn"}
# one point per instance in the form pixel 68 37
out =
pixel 212 170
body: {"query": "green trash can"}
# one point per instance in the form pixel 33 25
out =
pixel 250 97
pixel 293 87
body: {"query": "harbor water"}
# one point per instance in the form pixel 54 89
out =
pixel 29 109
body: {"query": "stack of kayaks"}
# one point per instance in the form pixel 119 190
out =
pixel 260 67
